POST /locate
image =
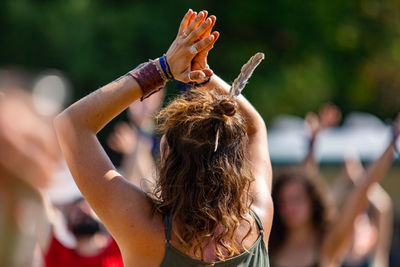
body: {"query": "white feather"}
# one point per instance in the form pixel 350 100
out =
pixel 245 73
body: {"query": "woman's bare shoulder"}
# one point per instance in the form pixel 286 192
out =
pixel 148 242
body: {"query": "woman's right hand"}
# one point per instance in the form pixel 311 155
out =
pixel 193 39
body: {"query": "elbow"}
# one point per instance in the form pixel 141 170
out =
pixel 59 123
pixel 63 126
pixel 380 200
pixel 257 126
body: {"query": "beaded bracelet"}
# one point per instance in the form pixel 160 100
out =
pixel 153 76
pixel 159 69
pixel 168 67
pixel 165 67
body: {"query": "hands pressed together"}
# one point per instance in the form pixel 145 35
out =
pixel 329 115
pixel 187 55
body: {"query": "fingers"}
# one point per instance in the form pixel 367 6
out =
pixel 187 19
pixel 207 33
pixel 197 29
pixel 206 44
pixel 208 72
pixel 202 29
pixel 192 18
pixel 199 19
pixel 199 62
pixel 201 45
pixel 204 47
pixel 210 45
pixel 196 76
pixel 192 39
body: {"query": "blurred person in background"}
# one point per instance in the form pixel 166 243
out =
pixel 92 246
pixel 29 155
pixel 29 223
pixel 201 213
pixel 328 116
pixel 370 244
pixel 306 230
pixel 137 144
pixel 373 228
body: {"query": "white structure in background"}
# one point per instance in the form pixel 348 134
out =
pixel 361 133
pixel 51 91
pixel 63 189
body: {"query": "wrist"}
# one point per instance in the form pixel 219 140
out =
pixel 150 78
pixel 195 84
pixel 165 69
pixel 311 143
pixel 183 87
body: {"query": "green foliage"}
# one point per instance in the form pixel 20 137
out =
pixel 343 51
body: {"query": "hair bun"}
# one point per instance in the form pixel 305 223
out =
pixel 228 107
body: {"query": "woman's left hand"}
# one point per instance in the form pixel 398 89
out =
pixel 193 39
pixel 199 62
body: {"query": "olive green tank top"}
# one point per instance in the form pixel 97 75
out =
pixel 256 256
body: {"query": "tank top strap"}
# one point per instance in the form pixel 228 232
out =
pixel 258 220
pixel 167 227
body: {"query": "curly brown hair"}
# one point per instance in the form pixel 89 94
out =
pixel 322 209
pixel 204 179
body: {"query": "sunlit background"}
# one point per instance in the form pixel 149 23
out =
pixel 344 52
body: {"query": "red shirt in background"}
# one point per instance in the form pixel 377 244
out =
pixel 60 256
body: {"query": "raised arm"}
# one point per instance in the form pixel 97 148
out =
pixel 381 203
pixel 28 159
pixel 383 206
pixel 120 205
pixel 342 228
pixel 328 116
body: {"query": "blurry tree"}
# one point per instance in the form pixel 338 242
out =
pixel 344 51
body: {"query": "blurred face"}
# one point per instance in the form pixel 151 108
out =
pixel 295 205
pixel 81 221
pixel 142 111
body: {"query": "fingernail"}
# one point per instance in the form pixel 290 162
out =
pixel 211 37
pixel 208 21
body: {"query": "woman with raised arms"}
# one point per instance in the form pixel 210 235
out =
pixel 212 203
